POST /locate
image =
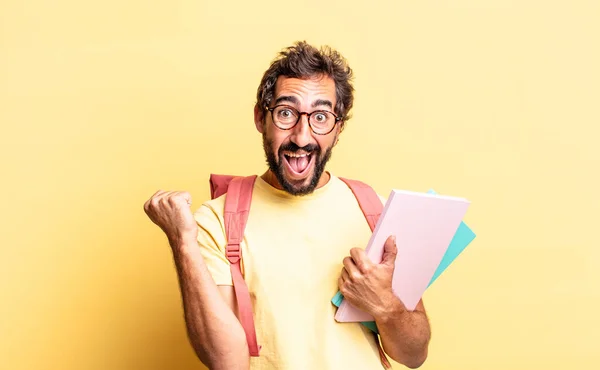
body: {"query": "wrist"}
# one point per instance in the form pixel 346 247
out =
pixel 182 242
pixel 390 309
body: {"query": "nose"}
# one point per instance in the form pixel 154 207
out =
pixel 301 133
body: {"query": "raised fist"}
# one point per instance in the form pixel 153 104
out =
pixel 171 211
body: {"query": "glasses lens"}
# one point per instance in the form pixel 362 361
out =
pixel 322 121
pixel 285 117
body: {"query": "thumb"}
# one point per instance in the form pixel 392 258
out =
pixel 389 251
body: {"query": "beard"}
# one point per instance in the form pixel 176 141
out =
pixel 277 167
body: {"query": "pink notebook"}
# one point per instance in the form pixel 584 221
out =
pixel 424 225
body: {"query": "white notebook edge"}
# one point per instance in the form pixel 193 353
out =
pixel 387 205
pixel 430 195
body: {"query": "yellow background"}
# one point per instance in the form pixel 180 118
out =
pixel 103 103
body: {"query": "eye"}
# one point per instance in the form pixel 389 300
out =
pixel 285 112
pixel 320 117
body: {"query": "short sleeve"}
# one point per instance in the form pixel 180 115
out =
pixel 211 240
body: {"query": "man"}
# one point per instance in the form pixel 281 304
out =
pixel 304 240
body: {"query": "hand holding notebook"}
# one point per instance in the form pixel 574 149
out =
pixel 424 226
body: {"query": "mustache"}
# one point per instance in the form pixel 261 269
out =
pixel 291 147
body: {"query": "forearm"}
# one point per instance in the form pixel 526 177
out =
pixel 214 331
pixel 404 334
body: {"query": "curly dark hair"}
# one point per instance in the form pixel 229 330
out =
pixel 306 61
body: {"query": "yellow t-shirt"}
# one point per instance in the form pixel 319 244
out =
pixel 292 258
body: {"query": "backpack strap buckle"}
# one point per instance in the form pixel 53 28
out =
pixel 233 253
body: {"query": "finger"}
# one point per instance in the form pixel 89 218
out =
pixel 360 259
pixel 160 191
pixel 389 251
pixel 162 195
pixel 179 198
pixel 351 269
pixel 171 197
pixel 147 204
pixel 168 194
pixel 152 198
pixel 156 198
pixel 341 284
pixel 344 274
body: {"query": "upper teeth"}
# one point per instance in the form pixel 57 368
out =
pixel 296 155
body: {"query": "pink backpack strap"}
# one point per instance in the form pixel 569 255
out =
pixel 367 198
pixel 371 206
pixel 237 207
pixel 219 184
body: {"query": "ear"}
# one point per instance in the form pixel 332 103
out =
pixel 259 118
pixel 337 135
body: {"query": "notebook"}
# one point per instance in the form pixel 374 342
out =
pixel 463 237
pixel 424 225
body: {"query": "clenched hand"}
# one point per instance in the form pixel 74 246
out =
pixel 171 211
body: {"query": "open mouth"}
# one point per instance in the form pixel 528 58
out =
pixel 298 163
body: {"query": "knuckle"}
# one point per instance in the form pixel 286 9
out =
pixel 355 276
pixel 176 198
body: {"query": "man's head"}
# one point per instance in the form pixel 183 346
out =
pixel 303 79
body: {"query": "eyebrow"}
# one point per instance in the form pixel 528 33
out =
pixel 286 98
pixel 319 102
pixel 293 100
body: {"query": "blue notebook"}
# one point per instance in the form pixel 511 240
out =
pixel 462 238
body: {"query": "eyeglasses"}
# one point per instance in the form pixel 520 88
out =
pixel 321 122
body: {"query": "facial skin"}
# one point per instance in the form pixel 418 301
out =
pixel 306 95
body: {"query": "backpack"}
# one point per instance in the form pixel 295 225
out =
pixel 238 198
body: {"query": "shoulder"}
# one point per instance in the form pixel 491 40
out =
pixel 340 182
pixel 209 215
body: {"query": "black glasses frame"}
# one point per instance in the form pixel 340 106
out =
pixel 300 114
